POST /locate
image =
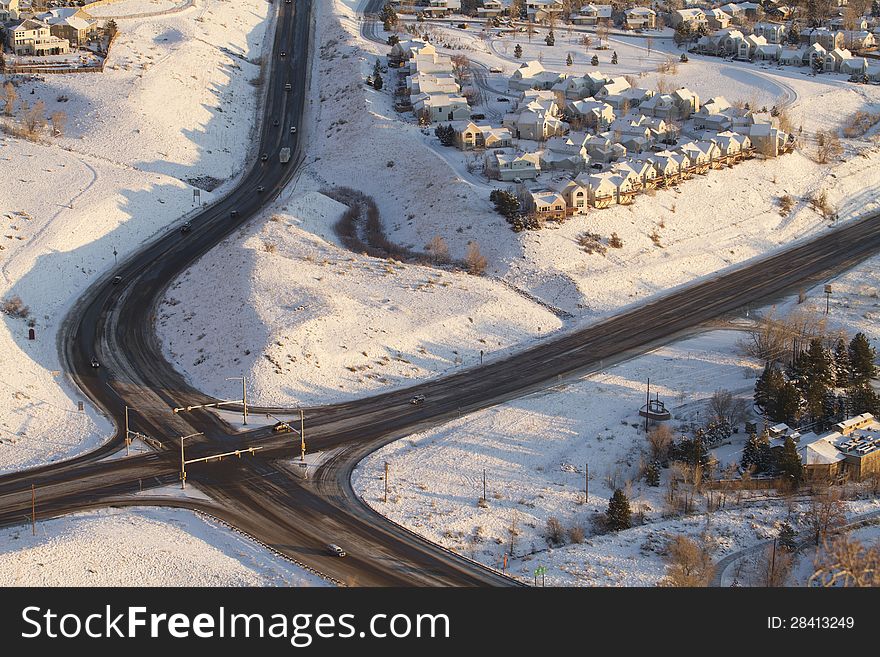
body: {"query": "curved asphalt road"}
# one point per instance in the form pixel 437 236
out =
pixel 260 496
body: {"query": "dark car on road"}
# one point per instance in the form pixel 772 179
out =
pixel 186 227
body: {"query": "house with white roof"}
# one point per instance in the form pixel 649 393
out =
pixel 602 149
pixel 441 107
pixel 547 204
pixel 9 11
pixel 640 18
pixel 405 50
pixel 540 11
pixel 490 8
pixel 564 154
pixel 33 37
pixel 773 32
pixel 693 17
pixel 592 14
pixel 732 146
pixel 575 194
pixel 470 136
pixel 589 113
pixel 509 165
pixel 716 18
pixel 769 140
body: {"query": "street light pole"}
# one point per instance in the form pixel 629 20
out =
pixel 127 434
pixel 183 459
pixel 243 380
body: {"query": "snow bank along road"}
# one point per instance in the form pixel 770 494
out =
pixel 259 495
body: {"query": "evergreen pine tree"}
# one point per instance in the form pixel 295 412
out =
pixel 751 454
pixel 842 365
pixel 550 39
pixel 787 406
pixel 595 60
pixel 863 399
pixel 862 356
pixel 614 57
pixel 765 453
pixel 820 366
pixel 789 462
pixel 618 514
pixel 569 60
pixel 787 537
pixel 652 474
pixel 377 82
pixel 517 51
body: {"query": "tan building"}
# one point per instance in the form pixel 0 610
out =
pixel 33 37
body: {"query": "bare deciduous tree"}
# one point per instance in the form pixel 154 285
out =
pixel 772 568
pixel 825 514
pixel 847 562
pixel 59 120
pixel 438 249
pixel 688 563
pixel 10 95
pixel 659 439
pixel 476 262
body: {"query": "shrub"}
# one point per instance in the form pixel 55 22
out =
pixel 554 532
pixel 615 242
pixel 15 307
pixel 786 203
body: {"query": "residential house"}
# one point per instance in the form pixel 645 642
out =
pixel 828 39
pixel 75 26
pixel 613 86
pixel 717 19
pixel 589 113
pixel 591 14
pixel 541 11
pixel 509 165
pixel 770 52
pixel 687 102
pixel 405 50
pixel 490 8
pixel 751 10
pixel 565 154
pixel 629 99
pixel 575 194
pixel 640 18
pixel 470 136
pixel 713 115
pixel 769 140
pixel 661 106
pixel 859 40
pixel 834 59
pixel 441 107
pixel 532 75
pixel 441 7
pixel 432 83
pixel 694 17
pixel 732 146
pixel 723 42
pixel 793 56
pixel 33 37
pixel 671 167
pixel 602 149
pixel 9 11
pixel 700 157
pixel 773 32
pixel 733 10
pixel 535 117
pixel 547 204
pixel 602 190
pixel 642 170
pixel 750 45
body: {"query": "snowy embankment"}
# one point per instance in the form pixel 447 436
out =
pixel 174 105
pixel 356 139
pixel 308 322
pixel 140 547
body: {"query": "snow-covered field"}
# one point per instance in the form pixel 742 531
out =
pixel 534 453
pixel 174 104
pixel 124 8
pixel 308 321
pixel 140 547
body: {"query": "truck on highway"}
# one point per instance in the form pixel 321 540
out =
pixel 284 155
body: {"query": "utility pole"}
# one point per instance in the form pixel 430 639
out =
pixel 386 482
pixel 484 484
pixel 243 380
pixel 302 436
pixel 773 564
pixel 33 510
pixel 827 298
pixel 647 405
pixel 127 434
pixel 586 483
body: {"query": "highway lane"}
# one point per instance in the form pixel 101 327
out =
pixel 116 322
